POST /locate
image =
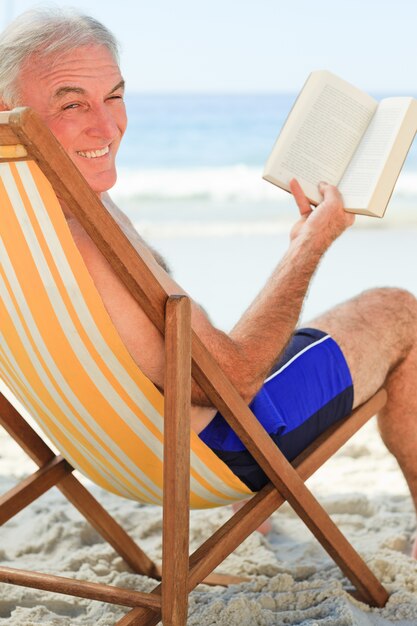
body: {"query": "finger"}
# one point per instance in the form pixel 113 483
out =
pixel 330 192
pixel 300 197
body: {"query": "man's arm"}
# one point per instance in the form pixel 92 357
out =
pixel 248 352
pixel 263 331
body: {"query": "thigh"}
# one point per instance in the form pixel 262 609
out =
pixel 375 331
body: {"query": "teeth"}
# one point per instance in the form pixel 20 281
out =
pixel 93 154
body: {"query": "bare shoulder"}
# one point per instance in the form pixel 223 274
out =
pixel 78 233
pixel 89 251
pixel 137 332
pixel 130 231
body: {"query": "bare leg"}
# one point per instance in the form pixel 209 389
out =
pixel 377 332
pixel 263 528
pixel 398 424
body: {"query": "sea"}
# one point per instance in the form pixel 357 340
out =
pixel 190 158
pixel 190 178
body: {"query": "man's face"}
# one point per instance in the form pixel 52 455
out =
pixel 80 98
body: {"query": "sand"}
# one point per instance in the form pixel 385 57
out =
pixel 293 581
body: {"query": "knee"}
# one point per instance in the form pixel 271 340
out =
pixel 406 300
pixel 402 304
pixel 393 295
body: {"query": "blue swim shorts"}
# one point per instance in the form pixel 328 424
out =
pixel 308 389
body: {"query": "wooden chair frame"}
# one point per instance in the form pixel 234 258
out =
pixel 24 136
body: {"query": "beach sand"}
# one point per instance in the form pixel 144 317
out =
pixel 294 582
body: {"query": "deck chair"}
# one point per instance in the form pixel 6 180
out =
pixel 64 362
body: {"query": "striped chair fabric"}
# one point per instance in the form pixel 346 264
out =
pixel 63 360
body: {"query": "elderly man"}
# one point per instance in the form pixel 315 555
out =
pixel 66 67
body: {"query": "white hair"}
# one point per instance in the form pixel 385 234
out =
pixel 46 32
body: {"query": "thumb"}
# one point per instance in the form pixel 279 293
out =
pixel 300 198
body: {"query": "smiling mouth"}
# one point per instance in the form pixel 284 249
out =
pixel 93 154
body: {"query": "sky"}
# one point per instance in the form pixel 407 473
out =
pixel 247 46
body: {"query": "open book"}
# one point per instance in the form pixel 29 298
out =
pixel 339 134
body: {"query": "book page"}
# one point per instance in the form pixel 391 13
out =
pixel 321 134
pixel 362 174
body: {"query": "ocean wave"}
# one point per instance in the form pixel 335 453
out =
pixel 221 184
pixel 233 184
pixel 407 184
pixel 193 229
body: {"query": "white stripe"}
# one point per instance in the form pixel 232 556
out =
pixel 7 363
pixel 295 357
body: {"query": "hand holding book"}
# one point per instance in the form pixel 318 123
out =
pixel 338 133
pixel 327 222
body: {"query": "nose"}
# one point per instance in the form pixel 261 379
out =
pixel 102 123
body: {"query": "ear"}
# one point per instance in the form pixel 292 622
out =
pixel 3 107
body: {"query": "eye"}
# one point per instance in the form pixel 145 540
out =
pixel 115 97
pixel 72 105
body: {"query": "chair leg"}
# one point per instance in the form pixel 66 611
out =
pixel 177 391
pixel 30 489
pixel 175 533
pixel 211 553
pixel 281 473
pixel 108 528
pixel 214 550
pixel 306 463
pixel 75 492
